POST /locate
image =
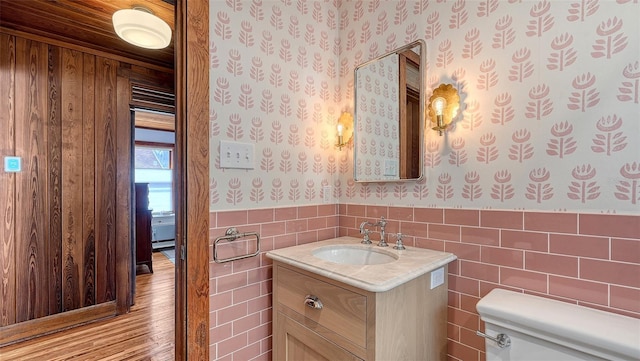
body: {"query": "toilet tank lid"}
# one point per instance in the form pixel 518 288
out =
pixel 587 329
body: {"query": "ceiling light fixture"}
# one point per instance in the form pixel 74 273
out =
pixel 140 27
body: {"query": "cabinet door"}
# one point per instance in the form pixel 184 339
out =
pixel 294 342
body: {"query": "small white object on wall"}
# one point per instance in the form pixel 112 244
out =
pixel 236 155
pixel 391 167
pixel 437 277
pixel 326 194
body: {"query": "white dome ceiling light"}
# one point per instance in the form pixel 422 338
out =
pixel 140 27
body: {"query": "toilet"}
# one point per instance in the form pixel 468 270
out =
pixel 525 327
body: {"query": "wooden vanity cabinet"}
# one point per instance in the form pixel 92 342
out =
pixel 405 323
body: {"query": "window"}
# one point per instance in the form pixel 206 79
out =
pixel 153 165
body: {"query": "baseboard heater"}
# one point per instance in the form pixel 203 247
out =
pixel 163 232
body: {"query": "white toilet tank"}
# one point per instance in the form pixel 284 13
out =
pixel 542 329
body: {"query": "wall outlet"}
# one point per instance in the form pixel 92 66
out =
pixel 326 194
pixel 236 155
pixel 390 167
pixel 437 277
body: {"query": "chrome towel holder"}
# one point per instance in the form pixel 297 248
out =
pixel 231 235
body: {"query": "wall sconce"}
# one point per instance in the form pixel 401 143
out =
pixel 345 129
pixel 140 27
pixel 443 106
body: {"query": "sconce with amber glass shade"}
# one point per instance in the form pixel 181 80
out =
pixel 344 129
pixel 443 107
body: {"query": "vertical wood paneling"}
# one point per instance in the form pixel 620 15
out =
pixel 72 220
pixel 31 184
pixel 88 179
pixel 7 181
pixel 65 220
pixel 124 195
pixel 105 178
pixel 54 109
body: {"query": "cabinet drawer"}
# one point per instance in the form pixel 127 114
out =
pixel 295 342
pixel 343 311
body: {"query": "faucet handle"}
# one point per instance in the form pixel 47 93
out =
pixel 399 245
pixel 366 239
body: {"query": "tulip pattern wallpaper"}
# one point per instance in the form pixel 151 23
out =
pixel 549 120
pixel 275 83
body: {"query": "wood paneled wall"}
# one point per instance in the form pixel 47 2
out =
pixel 66 216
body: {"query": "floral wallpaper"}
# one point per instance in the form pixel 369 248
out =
pixel 274 83
pixel 549 119
pixel 550 115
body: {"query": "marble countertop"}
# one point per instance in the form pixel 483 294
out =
pixel 410 263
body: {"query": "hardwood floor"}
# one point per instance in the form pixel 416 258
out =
pixel 145 333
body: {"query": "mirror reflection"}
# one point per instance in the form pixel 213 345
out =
pixel 389 118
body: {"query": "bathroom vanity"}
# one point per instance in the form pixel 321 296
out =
pixel 341 300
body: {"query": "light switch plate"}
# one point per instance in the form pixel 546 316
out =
pixel 437 277
pixel 12 164
pixel 236 155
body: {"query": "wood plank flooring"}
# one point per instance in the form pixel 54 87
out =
pixel 146 333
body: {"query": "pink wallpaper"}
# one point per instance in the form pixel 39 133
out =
pixel 274 83
pixel 549 137
pixel 550 115
pixel 550 93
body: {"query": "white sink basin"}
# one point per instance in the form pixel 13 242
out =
pixel 345 259
pixel 353 255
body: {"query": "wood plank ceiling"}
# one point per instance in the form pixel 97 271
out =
pixel 87 23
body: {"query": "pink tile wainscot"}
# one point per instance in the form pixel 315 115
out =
pixel 590 260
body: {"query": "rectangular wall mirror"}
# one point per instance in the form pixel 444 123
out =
pixel 389 115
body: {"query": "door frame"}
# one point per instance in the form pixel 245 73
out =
pixel 192 179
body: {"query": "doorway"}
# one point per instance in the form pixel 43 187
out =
pixel 153 158
pixel 153 172
pixel 153 199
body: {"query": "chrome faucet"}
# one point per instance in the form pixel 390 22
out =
pixel 382 223
pixel 366 239
pixel 399 246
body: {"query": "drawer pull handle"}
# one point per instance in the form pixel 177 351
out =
pixel 313 302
